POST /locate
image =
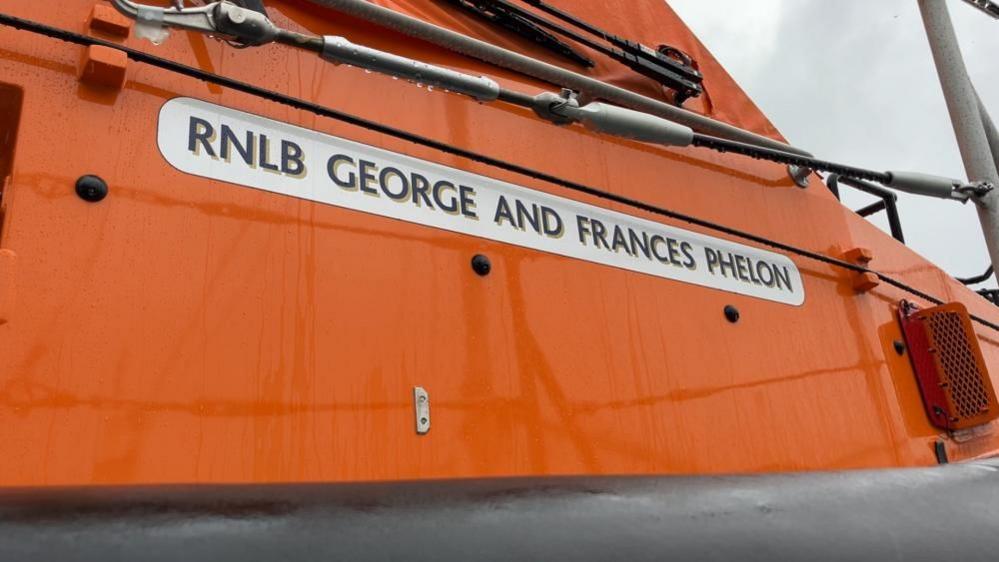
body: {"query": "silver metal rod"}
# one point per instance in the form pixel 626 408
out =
pixel 991 133
pixel 499 56
pixel 341 51
pixel 962 103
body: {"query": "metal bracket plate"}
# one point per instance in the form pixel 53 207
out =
pixel 421 407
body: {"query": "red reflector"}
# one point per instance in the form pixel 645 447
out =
pixel 950 370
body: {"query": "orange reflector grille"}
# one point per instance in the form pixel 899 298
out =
pixel 953 379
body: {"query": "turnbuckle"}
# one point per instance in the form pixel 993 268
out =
pixel 223 19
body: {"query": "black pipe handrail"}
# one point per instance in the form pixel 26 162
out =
pixel 976 279
pixel 888 201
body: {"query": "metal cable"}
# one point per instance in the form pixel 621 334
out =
pixel 558 76
pixel 773 155
pixel 145 58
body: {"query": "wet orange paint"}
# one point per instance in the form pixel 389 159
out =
pixel 188 330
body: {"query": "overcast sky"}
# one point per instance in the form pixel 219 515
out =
pixel 853 81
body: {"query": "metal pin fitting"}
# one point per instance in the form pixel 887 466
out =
pixel 977 189
pixel 248 27
pixel 223 19
pixel 613 120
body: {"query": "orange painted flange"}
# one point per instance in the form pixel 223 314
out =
pixel 862 281
pixel 103 66
pixel 860 256
pixel 107 20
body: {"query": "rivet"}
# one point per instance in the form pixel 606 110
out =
pixel 481 265
pixel 91 188
pixel 732 314
pixel 899 347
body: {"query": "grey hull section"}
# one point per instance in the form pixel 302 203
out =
pixel 949 512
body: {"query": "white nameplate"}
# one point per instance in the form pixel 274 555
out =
pixel 224 144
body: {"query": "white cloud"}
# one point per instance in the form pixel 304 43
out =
pixel 742 34
pixel 853 81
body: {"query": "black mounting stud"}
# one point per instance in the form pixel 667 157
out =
pixel 731 313
pixel 481 265
pixel 940 452
pixel 91 188
pixel 899 347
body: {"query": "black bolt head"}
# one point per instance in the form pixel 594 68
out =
pixel 731 314
pixel 481 265
pixel 899 347
pixel 91 188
